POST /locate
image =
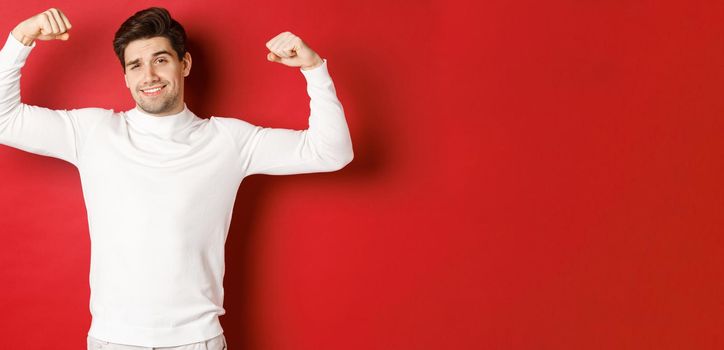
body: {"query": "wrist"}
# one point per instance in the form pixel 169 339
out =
pixel 24 39
pixel 315 63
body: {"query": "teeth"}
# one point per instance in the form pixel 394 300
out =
pixel 152 90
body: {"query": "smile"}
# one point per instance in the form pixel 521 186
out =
pixel 153 91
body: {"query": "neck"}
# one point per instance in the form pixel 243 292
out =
pixel 164 126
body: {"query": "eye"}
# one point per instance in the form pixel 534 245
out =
pixel 161 60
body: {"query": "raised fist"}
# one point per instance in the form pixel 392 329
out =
pixel 289 50
pixel 47 25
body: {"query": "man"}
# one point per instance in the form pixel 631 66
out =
pixel 159 183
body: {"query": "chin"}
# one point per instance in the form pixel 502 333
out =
pixel 165 106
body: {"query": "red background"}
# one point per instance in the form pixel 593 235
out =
pixel 527 175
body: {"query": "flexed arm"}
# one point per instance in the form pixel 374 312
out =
pixel 326 145
pixel 54 133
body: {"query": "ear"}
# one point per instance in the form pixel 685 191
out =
pixel 125 77
pixel 187 64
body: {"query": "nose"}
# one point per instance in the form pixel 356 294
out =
pixel 149 75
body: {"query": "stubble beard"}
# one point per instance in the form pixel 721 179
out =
pixel 157 107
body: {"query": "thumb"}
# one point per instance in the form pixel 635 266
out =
pixel 64 36
pixel 273 58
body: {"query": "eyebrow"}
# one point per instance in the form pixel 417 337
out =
pixel 157 53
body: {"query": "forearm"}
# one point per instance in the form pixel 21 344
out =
pixel 12 59
pixel 328 130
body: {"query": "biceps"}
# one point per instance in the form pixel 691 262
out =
pixel 40 131
pixel 283 152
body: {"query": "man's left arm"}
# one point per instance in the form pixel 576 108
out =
pixel 325 146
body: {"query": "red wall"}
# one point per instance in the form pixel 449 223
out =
pixel 527 175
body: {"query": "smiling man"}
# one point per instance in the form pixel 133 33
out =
pixel 161 95
pixel 159 183
pixel 154 57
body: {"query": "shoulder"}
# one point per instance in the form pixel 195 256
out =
pixel 92 112
pixel 237 127
pixel 231 122
pixel 238 130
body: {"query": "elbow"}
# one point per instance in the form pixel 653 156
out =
pixel 346 155
pixel 333 156
pixel 346 160
pixel 340 160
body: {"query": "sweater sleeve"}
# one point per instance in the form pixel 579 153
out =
pixel 324 146
pixel 34 129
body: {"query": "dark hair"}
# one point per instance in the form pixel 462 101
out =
pixel 149 23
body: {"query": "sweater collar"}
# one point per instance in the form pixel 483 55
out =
pixel 156 124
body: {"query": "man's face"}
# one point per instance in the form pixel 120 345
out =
pixel 152 63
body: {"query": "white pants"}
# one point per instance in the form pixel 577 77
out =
pixel 215 343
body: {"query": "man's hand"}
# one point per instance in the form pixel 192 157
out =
pixel 48 25
pixel 289 50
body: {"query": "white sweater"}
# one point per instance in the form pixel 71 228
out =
pixel 159 193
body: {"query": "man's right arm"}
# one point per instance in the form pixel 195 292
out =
pixel 54 133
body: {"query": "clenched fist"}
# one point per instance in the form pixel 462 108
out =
pixel 47 25
pixel 289 49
